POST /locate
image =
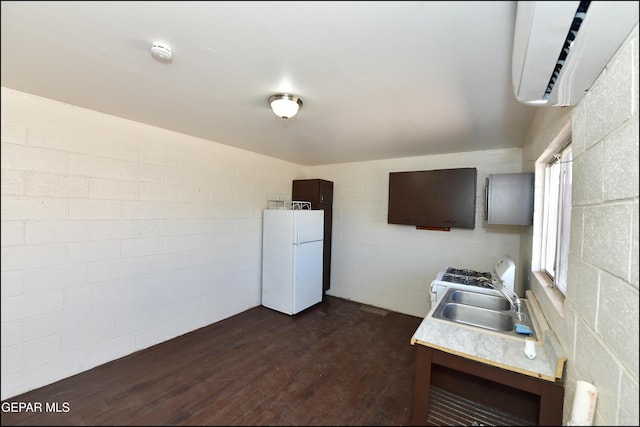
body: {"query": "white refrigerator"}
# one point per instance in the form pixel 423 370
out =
pixel 292 259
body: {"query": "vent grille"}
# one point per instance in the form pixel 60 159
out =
pixel 581 12
pixel 449 409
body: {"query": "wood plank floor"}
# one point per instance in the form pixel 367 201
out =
pixel 337 363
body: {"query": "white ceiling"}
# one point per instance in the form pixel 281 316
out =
pixel 378 79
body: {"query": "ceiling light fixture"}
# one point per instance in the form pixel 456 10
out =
pixel 284 105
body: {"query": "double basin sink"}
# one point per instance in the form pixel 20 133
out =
pixel 484 310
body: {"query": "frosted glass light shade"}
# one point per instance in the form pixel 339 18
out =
pixel 284 105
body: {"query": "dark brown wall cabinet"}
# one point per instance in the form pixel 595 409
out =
pixel 320 193
pixel 443 198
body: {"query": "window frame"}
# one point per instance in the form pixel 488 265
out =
pixel 540 284
pixel 556 221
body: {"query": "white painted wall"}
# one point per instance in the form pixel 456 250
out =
pixel 392 266
pixel 117 236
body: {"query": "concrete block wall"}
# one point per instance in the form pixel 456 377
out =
pixel 601 311
pixel 598 323
pixel 117 236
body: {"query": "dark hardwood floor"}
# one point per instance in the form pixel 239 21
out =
pixel 337 363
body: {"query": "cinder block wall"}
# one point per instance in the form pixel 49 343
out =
pixel 601 315
pixel 598 326
pixel 117 236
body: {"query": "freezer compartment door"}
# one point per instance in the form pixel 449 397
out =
pixel 307 287
pixel 308 226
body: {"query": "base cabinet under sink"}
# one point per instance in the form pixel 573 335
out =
pixel 445 383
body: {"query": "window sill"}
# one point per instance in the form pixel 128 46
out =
pixel 553 295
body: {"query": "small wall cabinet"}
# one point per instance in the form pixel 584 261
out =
pixel 509 199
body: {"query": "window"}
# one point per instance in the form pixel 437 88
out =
pixel 556 222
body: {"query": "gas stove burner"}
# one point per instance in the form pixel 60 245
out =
pixel 480 283
pixel 467 272
pixel 472 280
pixel 465 280
pixel 448 277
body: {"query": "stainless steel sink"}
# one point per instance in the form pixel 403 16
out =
pixel 492 302
pixel 478 316
pixel 482 310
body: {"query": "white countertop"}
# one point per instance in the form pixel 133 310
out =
pixel 495 348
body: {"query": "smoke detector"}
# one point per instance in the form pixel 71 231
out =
pixel 161 51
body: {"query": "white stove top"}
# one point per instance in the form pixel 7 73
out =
pixel 466 277
pixel 462 278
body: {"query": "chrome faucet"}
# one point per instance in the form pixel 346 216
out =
pixel 512 297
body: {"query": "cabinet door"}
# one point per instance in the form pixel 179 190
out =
pixel 509 199
pixel 326 192
pixel 408 198
pixel 452 198
pixel 317 191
